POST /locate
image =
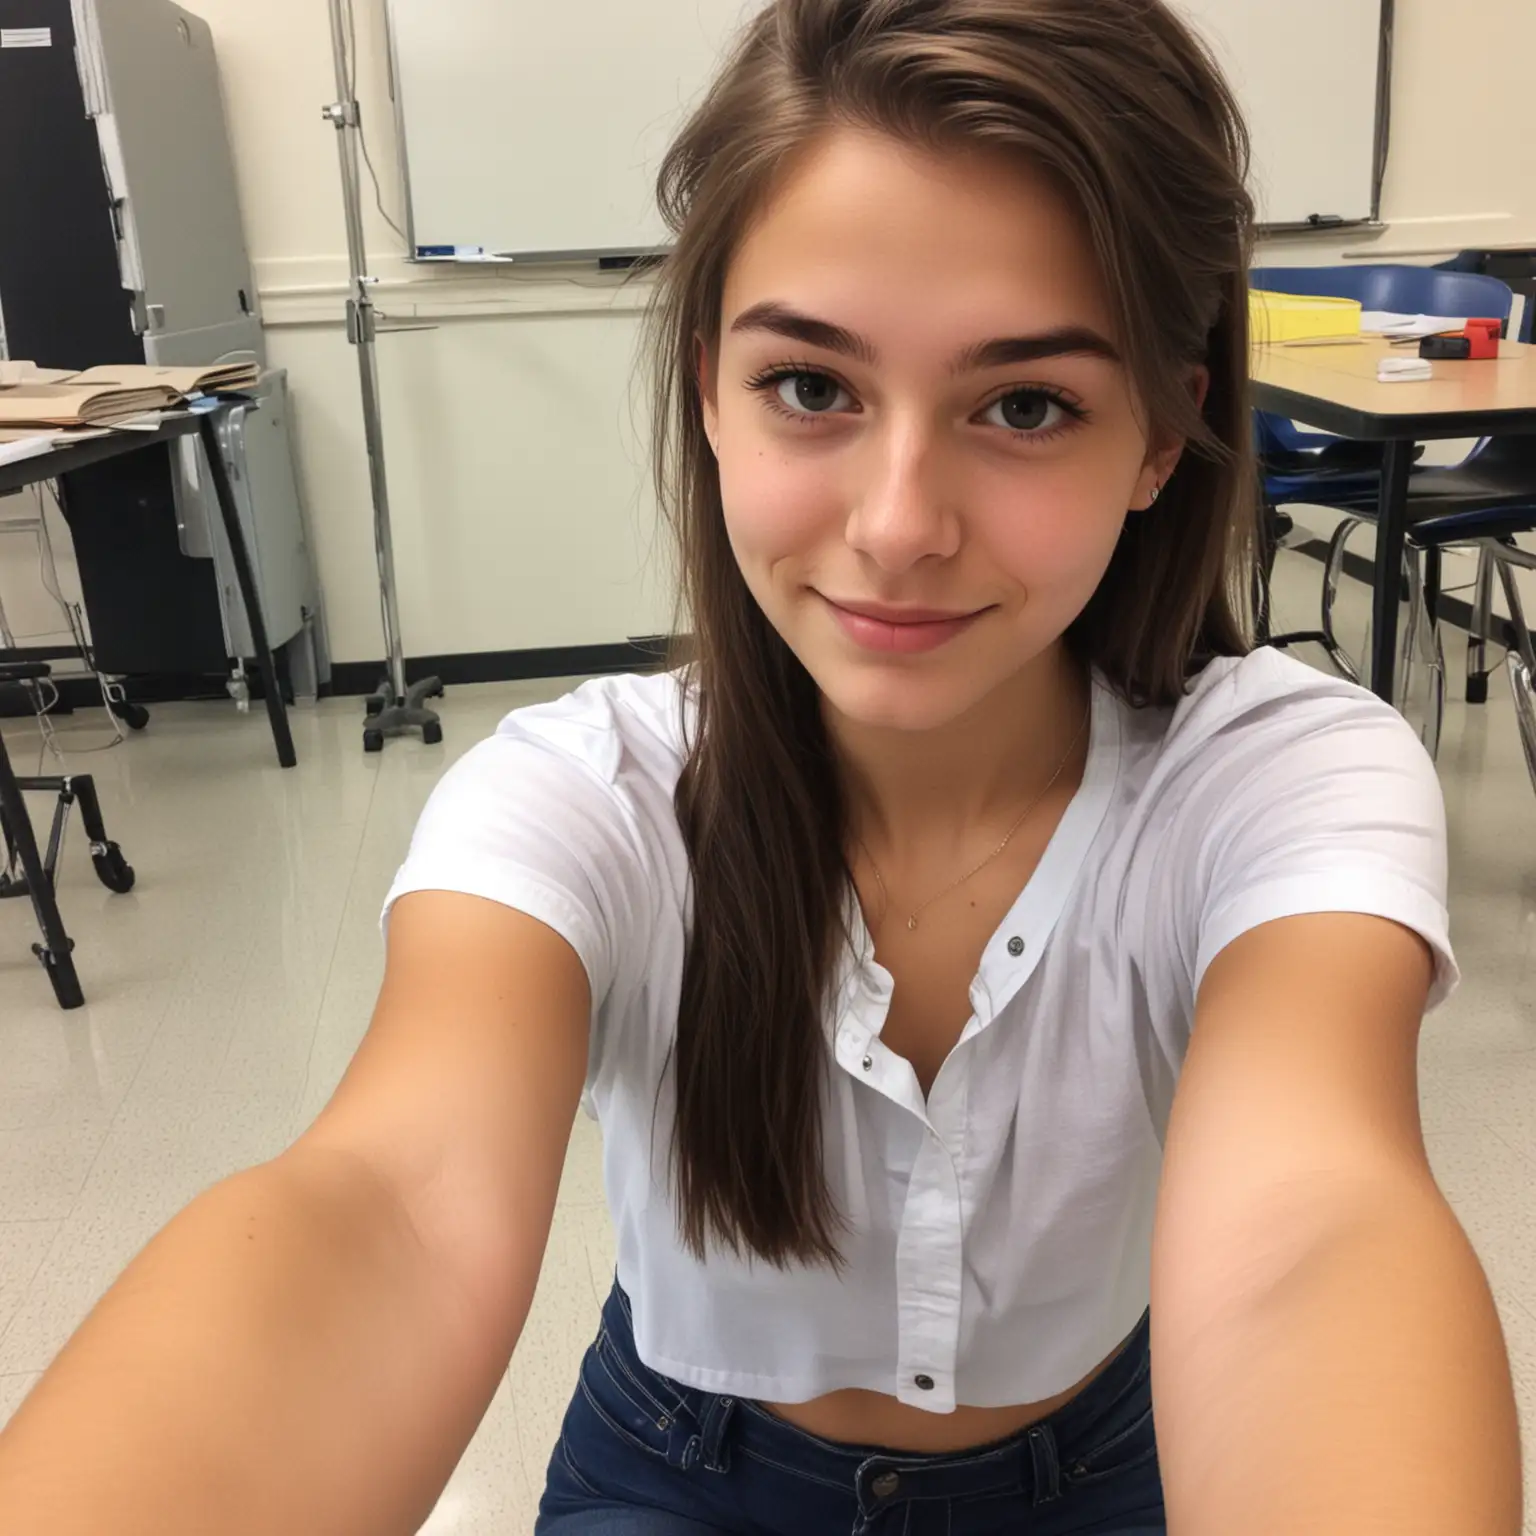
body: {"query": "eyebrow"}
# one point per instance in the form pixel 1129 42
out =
pixel 1060 341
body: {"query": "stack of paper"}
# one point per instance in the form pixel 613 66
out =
pixel 79 405
pixel 221 378
pixel 114 394
pixel 1384 322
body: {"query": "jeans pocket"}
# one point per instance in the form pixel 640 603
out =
pixel 1133 1447
pixel 645 1390
pixel 616 1392
pixel 1123 1440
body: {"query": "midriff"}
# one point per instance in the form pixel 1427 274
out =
pixel 858 1417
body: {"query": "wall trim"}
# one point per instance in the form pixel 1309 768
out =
pixel 313 290
pixel 641 654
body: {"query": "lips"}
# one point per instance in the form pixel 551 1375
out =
pixel 888 615
pixel 898 630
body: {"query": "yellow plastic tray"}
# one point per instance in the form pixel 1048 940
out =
pixel 1300 317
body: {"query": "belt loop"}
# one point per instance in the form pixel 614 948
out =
pixel 1047 1465
pixel 715 1421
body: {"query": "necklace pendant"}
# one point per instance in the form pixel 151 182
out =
pixel 912 923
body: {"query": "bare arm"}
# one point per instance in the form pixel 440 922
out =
pixel 310 1345
pixel 1327 1357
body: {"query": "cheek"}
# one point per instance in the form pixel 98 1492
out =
pixel 1050 534
pixel 777 505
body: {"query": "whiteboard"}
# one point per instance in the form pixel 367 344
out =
pixel 1305 73
pixel 535 127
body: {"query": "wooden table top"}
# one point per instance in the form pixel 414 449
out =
pixel 1335 387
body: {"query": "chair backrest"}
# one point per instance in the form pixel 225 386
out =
pixel 1515 267
pixel 1400 289
pixel 1395 288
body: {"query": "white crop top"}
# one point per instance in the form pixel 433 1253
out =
pixel 999 1233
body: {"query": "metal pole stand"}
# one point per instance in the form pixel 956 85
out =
pixel 392 708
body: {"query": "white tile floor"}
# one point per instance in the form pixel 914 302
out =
pixel 228 992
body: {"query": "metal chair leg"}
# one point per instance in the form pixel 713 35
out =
pixel 1477 634
pixel 1516 611
pixel 1421 641
pixel 1522 684
pixel 1433 581
pixel 1522 656
pixel 1333 569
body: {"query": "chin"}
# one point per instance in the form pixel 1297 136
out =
pixel 899 696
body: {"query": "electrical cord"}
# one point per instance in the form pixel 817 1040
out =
pixel 362 136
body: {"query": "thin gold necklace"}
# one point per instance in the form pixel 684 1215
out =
pixel 885 895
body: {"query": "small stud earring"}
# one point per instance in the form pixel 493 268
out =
pixel 1157 491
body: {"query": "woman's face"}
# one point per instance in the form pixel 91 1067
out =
pixel 927 443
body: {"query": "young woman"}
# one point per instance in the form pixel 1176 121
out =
pixel 970 943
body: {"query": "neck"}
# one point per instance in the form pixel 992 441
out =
pixel 911 793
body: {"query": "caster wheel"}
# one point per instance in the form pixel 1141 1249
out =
pixel 373 705
pixel 432 733
pixel 373 741
pixel 113 870
pixel 1477 688
pixel 134 716
pixel 437 692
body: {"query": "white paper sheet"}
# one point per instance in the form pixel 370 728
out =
pixel 25 448
pixel 1386 323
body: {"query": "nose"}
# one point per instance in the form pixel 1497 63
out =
pixel 903 511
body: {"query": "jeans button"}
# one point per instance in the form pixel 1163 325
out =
pixel 885 1485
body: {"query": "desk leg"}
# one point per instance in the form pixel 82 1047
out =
pixel 276 712
pixel 55 949
pixel 1391 535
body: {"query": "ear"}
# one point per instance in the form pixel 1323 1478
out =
pixel 1163 457
pixel 707 373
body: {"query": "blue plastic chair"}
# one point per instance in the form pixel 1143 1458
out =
pixel 1402 289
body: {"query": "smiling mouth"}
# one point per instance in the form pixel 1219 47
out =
pixel 905 631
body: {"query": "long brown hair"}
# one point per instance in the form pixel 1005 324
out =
pixel 1121 102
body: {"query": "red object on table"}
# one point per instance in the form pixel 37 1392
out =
pixel 1484 336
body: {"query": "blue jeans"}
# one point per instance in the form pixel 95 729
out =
pixel 641 1455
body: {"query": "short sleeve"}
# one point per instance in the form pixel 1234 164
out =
pixel 530 824
pixel 1323 802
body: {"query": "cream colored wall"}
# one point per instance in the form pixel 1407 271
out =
pixel 1462 168
pixel 521 511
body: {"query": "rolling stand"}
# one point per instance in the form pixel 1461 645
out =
pixel 28 873
pixel 387 713
pixel 393 708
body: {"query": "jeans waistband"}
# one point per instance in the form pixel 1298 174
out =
pixel 1027 1464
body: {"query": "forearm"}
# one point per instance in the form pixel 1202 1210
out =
pixel 1365 1393
pixel 279 1358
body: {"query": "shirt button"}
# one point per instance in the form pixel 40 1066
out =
pixel 885 1485
pixel 867 1063
pixel 923 1383
pixel 1015 947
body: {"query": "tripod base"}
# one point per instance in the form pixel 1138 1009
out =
pixel 387 714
